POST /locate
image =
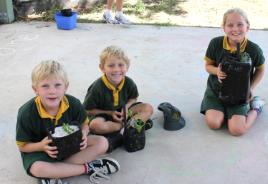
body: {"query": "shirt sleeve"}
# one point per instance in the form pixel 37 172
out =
pixel 211 50
pixel 23 133
pixel 258 58
pixel 80 113
pixel 132 90
pixel 92 98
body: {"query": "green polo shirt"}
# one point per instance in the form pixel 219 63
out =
pixel 100 97
pixel 215 53
pixel 32 128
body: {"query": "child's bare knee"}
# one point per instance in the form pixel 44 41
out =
pixel 214 123
pixel 102 144
pixel 93 125
pixel 237 130
pixel 148 108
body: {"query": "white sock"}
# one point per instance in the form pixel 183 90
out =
pixel 108 12
pixel 119 13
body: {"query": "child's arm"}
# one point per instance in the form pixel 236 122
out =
pixel 258 75
pixel 99 111
pixel 212 69
pixel 40 146
pixel 117 116
pixel 85 131
pixel 130 102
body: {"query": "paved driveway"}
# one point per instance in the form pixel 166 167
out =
pixel 167 65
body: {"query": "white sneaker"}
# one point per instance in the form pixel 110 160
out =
pixel 121 19
pixel 108 18
pixel 257 104
pixel 101 168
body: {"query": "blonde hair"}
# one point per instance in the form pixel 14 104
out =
pixel 235 10
pixel 47 69
pixel 113 51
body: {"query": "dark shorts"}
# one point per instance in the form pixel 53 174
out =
pixel 29 158
pixel 211 101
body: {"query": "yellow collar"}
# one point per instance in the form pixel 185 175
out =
pixel 226 45
pixel 64 105
pixel 113 88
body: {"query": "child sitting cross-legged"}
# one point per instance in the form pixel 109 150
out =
pixel 52 107
pixel 108 95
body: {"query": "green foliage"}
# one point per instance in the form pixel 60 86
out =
pixel 49 14
pixel 66 127
pixel 129 114
pixel 244 57
pixel 140 7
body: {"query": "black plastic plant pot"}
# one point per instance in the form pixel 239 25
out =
pixel 134 140
pixel 235 87
pixel 67 145
pixel 66 12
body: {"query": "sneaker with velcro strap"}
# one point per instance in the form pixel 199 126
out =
pixel 257 104
pixel 101 168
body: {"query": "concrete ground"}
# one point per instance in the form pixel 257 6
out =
pixel 167 65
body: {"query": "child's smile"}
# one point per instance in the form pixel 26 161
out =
pixel 115 70
pixel 235 28
pixel 51 92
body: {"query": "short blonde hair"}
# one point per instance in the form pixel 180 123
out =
pixel 235 10
pixel 47 69
pixel 113 51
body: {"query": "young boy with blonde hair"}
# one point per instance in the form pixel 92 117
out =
pixel 52 107
pixel 108 95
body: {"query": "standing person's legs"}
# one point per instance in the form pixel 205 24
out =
pixel 119 5
pixel 119 15
pixel 109 5
pixel 107 15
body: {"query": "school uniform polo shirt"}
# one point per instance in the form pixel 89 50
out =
pixel 215 53
pixel 33 122
pixel 101 96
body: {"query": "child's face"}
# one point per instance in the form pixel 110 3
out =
pixel 235 28
pixel 51 91
pixel 115 69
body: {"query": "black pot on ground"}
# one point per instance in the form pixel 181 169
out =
pixel 66 12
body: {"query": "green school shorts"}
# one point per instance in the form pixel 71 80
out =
pixel 29 158
pixel 211 101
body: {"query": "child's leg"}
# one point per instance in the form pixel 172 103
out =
pixel 142 111
pixel 100 126
pixel 241 118
pixel 119 5
pixel 214 118
pixel 97 145
pixel 109 4
pixel 42 169
pixel 239 125
pixel 74 165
